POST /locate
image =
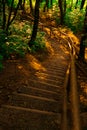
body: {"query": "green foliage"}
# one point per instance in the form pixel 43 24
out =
pixel 23 30
pixel 12 45
pixel 39 44
pixel 74 19
pixel 15 46
pixel 10 1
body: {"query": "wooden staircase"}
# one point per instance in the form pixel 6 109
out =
pixel 37 105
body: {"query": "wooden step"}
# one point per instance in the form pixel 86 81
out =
pixel 57 68
pixel 18 118
pixel 35 102
pixel 48 80
pixel 46 75
pixel 56 73
pixel 44 85
pixel 39 92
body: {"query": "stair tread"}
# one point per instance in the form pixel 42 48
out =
pixel 18 118
pixel 34 97
pixel 35 102
pixel 27 109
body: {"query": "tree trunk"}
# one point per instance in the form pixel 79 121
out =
pixel 4 15
pixel 46 6
pixel 64 7
pixel 82 48
pixel 82 4
pixel 61 12
pixel 9 17
pixel 84 37
pixel 0 6
pixel 15 13
pixel 35 26
pixel 76 4
pixel 51 3
pixel 31 7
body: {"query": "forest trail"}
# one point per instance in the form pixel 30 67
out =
pixel 31 88
pixel 35 93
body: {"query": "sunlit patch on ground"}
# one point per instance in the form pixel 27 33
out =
pixel 41 75
pixel 83 100
pixel 86 54
pixel 34 63
pixel 49 47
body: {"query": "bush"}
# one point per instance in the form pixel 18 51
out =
pixel 39 43
pixel 12 45
pixel 74 19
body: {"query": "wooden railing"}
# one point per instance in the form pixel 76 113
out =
pixel 71 110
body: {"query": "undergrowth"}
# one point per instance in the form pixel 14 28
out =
pixel 15 44
pixel 74 19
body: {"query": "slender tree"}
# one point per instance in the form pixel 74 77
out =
pixel 0 6
pixel 83 38
pixel 46 6
pixel 51 2
pixel 65 7
pixel 76 4
pixel 82 4
pixel 35 26
pixel 31 7
pixel 7 22
pixel 61 12
pixel 4 14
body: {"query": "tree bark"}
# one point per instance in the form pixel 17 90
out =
pixel 61 12
pixel 35 26
pixel 31 7
pixel 9 17
pixel 76 4
pixel 4 15
pixel 84 37
pixel 82 48
pixel 65 7
pixel 46 6
pixel 82 4
pixel 15 13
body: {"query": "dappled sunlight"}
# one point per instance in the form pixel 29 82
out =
pixel 23 70
pixel 41 76
pixel 69 33
pixel 83 99
pixel 64 49
pixel 86 54
pixel 17 25
pixel 47 30
pixel 83 95
pixel 85 89
pixel 83 84
pixel 49 47
pixel 34 63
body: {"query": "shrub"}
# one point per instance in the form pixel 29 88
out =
pixel 74 19
pixel 39 43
